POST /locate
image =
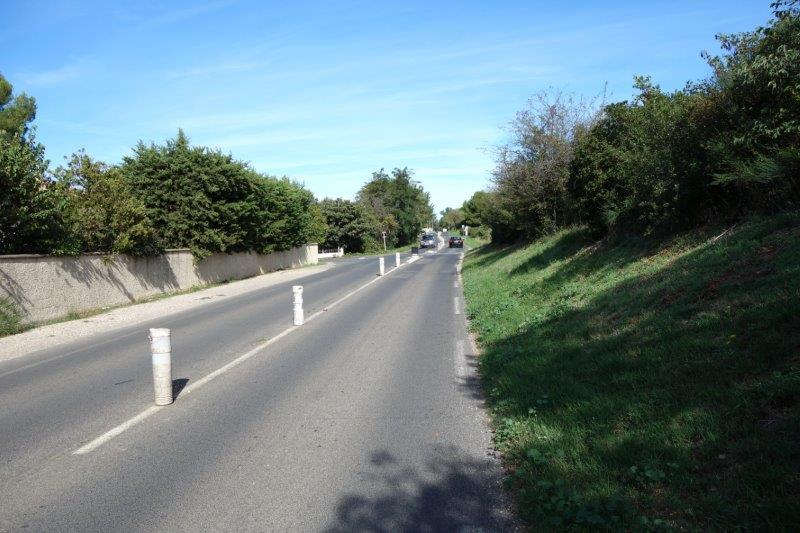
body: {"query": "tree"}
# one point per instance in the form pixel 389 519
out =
pixel 400 197
pixel 484 210
pixel 533 167
pixel 476 211
pixel 349 224
pixel 16 113
pixel 104 216
pixel 30 212
pixel 451 218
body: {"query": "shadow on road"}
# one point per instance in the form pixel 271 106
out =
pixel 178 385
pixel 450 492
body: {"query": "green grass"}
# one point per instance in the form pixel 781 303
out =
pixel 9 318
pixel 474 242
pixel 645 384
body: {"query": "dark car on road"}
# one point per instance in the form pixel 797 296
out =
pixel 456 242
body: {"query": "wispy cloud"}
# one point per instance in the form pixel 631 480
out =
pixel 214 70
pixel 56 76
pixel 147 14
pixel 176 15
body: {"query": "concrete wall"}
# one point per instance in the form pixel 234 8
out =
pixel 338 253
pixel 45 287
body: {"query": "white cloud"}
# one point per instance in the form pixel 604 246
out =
pixel 56 76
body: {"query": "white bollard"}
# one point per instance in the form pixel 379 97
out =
pixel 297 290
pixel 161 349
pixel 397 259
pixel 381 267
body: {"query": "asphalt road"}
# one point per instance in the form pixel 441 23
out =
pixel 365 418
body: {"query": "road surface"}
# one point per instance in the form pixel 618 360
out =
pixel 365 418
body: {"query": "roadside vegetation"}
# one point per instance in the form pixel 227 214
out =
pixel 175 195
pixel 646 382
pixel 638 304
pixel 717 149
pixel 9 318
pixel 395 205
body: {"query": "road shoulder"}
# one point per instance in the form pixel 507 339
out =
pixel 52 335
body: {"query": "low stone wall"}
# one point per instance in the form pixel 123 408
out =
pixel 339 252
pixel 45 287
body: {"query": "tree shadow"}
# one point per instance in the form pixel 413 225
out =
pixel 452 491
pixel 562 248
pixel 486 255
pixel 13 289
pixel 151 271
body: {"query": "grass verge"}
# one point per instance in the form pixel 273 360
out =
pixel 475 242
pixel 645 384
pixel 9 318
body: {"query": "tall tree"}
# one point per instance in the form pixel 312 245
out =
pixel 30 215
pixel 16 113
pixel 401 197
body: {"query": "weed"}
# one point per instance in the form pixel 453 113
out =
pixel 9 317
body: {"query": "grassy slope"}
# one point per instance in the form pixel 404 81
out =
pixel 646 384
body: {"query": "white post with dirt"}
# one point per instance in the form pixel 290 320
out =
pixel 381 266
pixel 161 349
pixel 299 318
pixel 397 259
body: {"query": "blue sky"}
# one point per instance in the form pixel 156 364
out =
pixel 328 92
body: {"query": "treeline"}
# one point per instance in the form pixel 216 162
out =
pixel 392 205
pixel 716 149
pixel 175 195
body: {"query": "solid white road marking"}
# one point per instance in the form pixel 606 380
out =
pixel 456 306
pixel 147 413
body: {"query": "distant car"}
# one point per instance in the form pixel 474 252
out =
pixel 427 241
pixel 456 242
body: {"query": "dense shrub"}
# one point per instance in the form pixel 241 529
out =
pixel 207 201
pixel 642 166
pixel 663 161
pixel 757 81
pixel 103 214
pixel 280 215
pixel 485 209
pixel 349 224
